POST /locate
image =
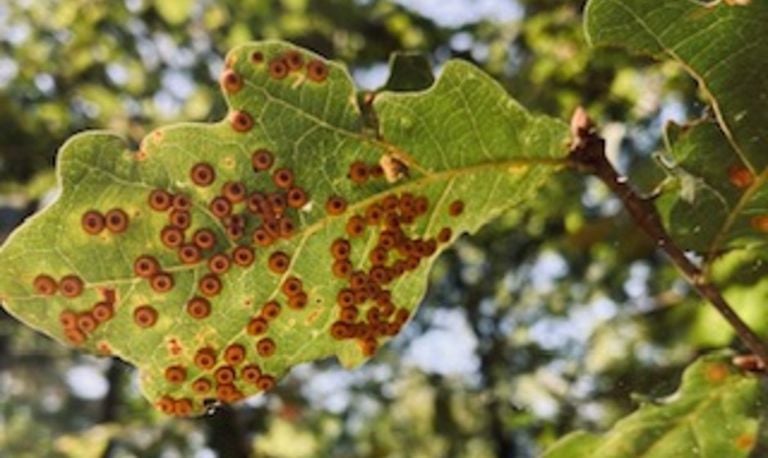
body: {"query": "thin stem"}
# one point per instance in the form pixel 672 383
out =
pixel 588 154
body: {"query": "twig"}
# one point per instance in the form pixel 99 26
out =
pixel 588 155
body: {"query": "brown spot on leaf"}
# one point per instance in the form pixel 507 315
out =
pixel 251 373
pixel 716 372
pixel 261 237
pixel 160 200
pixel 220 207
pixel 341 248
pixel 202 385
pixel 71 286
pixel 116 221
pixel 166 405
pixel 296 197
pixel 219 263
pixel 199 308
pixel 202 174
pixel 181 202
pixel 175 374
pixel 355 226
pixel 205 239
pixel 234 191
pixel 368 346
pixel 103 311
pixel 291 286
pixel 234 354
pixel 189 254
pixel 257 326
pixel 205 358
pixel 358 172
pixel 342 268
pixel 103 348
pixel 241 121
pixel 224 375
pixel 68 319
pixel 270 310
pixel 262 159
pixel 210 285
pixel 182 407
pixel 243 256
pixel 345 298
pixel 172 236
pixel 340 330
pixel 93 222
pixel 278 262
pixel 45 285
pixel 266 347
pixel 86 322
pixel 760 223
pixel 294 60
pixel 298 301
pixel 335 205
pixel 180 218
pixel 456 208
pixel 278 69
pixel 145 316
pixel 145 266
pixel 231 82
pixel 317 71
pixel 746 442
pixel 445 234
pixel 161 282
pixel 74 336
pixel 283 178
pixel 174 347
pixel 257 57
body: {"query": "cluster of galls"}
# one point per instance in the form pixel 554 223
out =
pixel 76 325
pixel 366 311
pixel 218 378
pixel 254 217
pixel 249 217
pixel 279 67
pixel 115 221
pixel 79 325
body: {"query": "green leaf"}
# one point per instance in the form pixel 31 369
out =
pixel 718 168
pixel 714 414
pixel 724 47
pixel 461 143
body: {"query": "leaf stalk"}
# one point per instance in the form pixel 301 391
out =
pixel 587 154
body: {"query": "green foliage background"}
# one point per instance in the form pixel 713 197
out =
pixel 568 309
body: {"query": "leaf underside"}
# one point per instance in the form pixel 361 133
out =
pixel 714 413
pixel 257 284
pixel 718 167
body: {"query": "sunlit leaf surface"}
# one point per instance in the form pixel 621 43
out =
pixel 714 413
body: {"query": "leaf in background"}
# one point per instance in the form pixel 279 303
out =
pixel 174 11
pixel 409 72
pixel 713 414
pixel 220 255
pixel 720 199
